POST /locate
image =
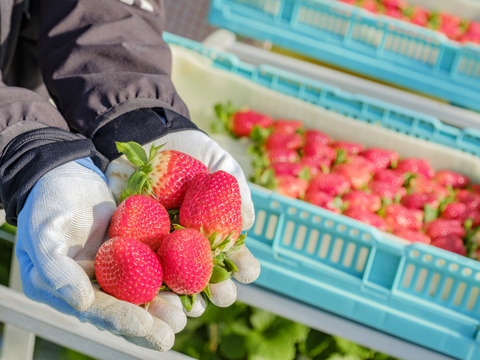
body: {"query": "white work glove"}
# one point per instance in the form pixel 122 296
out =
pixel 201 147
pixel 60 228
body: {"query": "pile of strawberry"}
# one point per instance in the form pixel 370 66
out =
pixel 173 230
pixel 454 27
pixel 402 196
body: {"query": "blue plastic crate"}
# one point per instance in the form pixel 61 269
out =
pixel 417 292
pixel 347 36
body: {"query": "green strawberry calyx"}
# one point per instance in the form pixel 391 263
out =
pixel 138 181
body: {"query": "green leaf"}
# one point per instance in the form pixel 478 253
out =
pixel 430 213
pixel 187 301
pixel 350 348
pixel 219 274
pixel 261 319
pixel 233 347
pixel 133 151
pixel 137 182
pixel 230 266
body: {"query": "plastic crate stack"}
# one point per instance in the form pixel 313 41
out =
pixel 416 292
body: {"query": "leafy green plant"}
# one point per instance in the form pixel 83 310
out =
pixel 244 332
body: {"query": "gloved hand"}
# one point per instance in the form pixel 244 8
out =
pixel 60 228
pixel 200 146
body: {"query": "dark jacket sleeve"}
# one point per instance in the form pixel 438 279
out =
pixel 104 59
pixel 107 69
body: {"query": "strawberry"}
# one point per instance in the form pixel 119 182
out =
pixel 419 200
pixel 163 175
pixel 316 137
pixel 386 189
pixel 369 5
pixel 451 178
pixel 360 199
pixel 419 15
pixel 469 198
pixel 367 217
pixel 444 227
pixel 359 176
pixel 454 210
pixel 212 204
pixel 331 183
pixel 399 217
pixel 452 243
pixel 129 270
pixel 319 150
pixel 187 261
pixel 280 140
pixel 381 158
pixel 288 126
pixel 412 235
pixel 315 164
pixel 282 155
pixel 324 200
pixel 240 122
pixel 350 148
pixel 421 184
pixel 415 166
pixel 287 168
pixel 393 177
pixel 290 186
pixel 140 218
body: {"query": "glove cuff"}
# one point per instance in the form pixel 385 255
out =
pixel 30 156
pixel 142 126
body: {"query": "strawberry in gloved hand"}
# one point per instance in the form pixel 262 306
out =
pixel 152 174
pixel 60 229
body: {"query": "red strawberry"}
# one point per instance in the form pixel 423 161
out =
pixel 469 198
pixel 452 243
pixel 324 200
pixel 412 235
pixel 475 188
pixel 140 218
pixel 282 155
pixel 359 176
pixel 162 174
pixel 454 210
pixel 369 5
pixel 399 217
pixel 367 217
pixel 415 166
pixel 381 158
pixel 129 270
pixel 212 205
pixel 393 177
pixel 288 126
pixel 280 140
pixel 419 16
pixel 316 137
pixel 386 189
pixel 360 199
pixel 315 164
pixel 351 148
pixel 451 178
pixel 287 168
pixel 419 200
pixel 187 262
pixel 244 121
pixel 290 186
pixel 474 216
pixel 444 227
pixel 319 150
pixel 240 122
pixel 421 184
pixel 331 183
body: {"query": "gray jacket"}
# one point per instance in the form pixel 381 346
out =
pixel 106 68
